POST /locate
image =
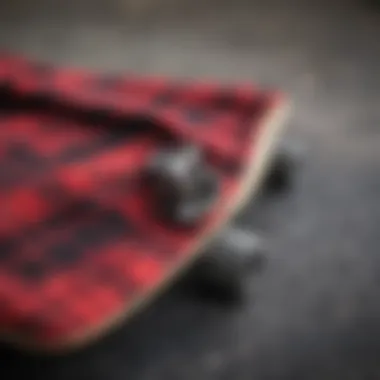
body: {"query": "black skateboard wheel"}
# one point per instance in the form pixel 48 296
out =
pixel 223 270
pixel 184 186
pixel 278 179
pixel 193 207
pixel 280 173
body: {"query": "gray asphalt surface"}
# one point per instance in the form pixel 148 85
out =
pixel 314 312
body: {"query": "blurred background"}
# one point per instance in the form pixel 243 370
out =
pixel 314 312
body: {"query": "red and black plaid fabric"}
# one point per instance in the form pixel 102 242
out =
pixel 78 242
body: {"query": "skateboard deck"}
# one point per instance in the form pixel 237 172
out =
pixel 80 248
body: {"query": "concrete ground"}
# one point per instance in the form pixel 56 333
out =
pixel 314 312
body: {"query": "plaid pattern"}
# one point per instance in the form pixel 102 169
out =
pixel 78 240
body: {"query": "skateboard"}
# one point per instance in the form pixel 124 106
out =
pixel 113 186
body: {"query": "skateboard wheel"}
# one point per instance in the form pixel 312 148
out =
pixel 279 176
pixel 184 187
pixel 190 210
pixel 223 270
pixel 171 168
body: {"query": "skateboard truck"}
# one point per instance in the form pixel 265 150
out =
pixel 186 189
pixel 184 186
pixel 223 269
